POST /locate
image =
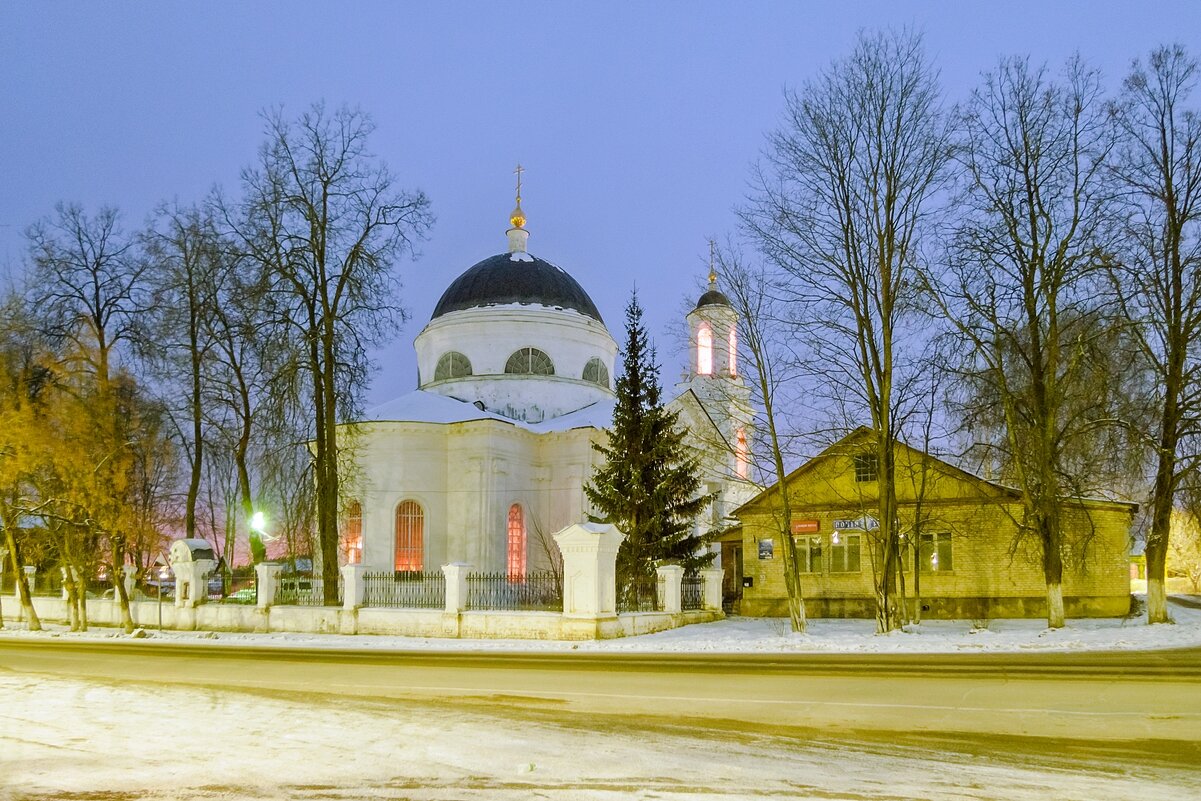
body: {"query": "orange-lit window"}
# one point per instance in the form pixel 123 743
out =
pixel 410 535
pixel 704 350
pixel 516 542
pixel 742 456
pixel 733 352
pixel 352 534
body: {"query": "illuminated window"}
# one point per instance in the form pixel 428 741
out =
pixel 936 552
pixel 352 534
pixel 844 553
pixel 516 570
pixel 596 372
pixel 742 456
pixel 733 352
pixel 410 536
pixel 530 361
pixel 704 350
pixel 867 467
pixel 452 365
pixel 809 554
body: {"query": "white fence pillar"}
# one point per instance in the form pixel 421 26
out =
pixel 130 572
pixel 713 578
pixel 71 575
pixel 456 586
pixel 31 572
pixel 672 579
pixel 353 586
pixel 266 576
pixel 589 569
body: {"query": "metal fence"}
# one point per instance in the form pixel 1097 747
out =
pixel 405 590
pixel 303 591
pixel 642 594
pixel 533 591
pixel 692 592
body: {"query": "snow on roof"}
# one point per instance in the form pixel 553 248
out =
pixel 420 406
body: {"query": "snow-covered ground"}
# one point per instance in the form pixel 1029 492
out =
pixel 758 635
pixel 67 739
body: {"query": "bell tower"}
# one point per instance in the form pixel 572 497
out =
pixel 713 371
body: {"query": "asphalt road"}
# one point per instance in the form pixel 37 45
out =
pixel 1113 697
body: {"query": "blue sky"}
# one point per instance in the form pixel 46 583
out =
pixel 637 124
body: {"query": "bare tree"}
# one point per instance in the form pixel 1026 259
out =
pixel 1158 275
pixel 325 223
pixel 767 358
pixel 1022 291
pixel 842 205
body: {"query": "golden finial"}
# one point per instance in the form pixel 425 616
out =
pixel 517 218
pixel 712 264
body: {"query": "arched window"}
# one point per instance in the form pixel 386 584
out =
pixel 530 361
pixel 410 537
pixel 733 351
pixel 352 534
pixel 452 365
pixel 742 455
pixel 596 372
pixel 516 550
pixel 704 350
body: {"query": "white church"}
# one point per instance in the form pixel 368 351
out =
pixel 489 456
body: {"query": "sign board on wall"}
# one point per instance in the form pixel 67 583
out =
pixel 767 549
pixel 865 523
pixel 806 526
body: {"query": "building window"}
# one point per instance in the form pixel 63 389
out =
pixel 452 365
pixel 530 361
pixel 742 455
pixel 844 553
pixel 809 554
pixel 516 567
pixel 596 372
pixel 352 534
pixel 704 350
pixel 410 537
pixel 867 467
pixel 936 552
pixel 733 352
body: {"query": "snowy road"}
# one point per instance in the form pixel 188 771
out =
pixel 86 721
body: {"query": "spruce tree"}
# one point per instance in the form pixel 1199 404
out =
pixel 649 486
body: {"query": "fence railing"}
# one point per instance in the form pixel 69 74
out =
pixel 292 591
pixel 531 592
pixel 643 594
pixel 404 590
pixel 692 592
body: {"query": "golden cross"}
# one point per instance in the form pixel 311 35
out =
pixel 712 260
pixel 518 172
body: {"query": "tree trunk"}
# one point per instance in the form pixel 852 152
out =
pixel 328 510
pixel 1157 596
pixel 1053 572
pixel 14 554
pixel 118 574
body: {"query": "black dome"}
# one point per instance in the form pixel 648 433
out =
pixel 501 279
pixel 713 298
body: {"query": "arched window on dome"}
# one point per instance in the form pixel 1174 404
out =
pixel 530 361
pixel 742 455
pixel 352 534
pixel 516 550
pixel 596 372
pixel 733 351
pixel 704 350
pixel 410 537
pixel 452 365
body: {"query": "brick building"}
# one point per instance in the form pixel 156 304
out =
pixel 971 562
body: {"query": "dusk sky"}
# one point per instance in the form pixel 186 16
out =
pixel 637 125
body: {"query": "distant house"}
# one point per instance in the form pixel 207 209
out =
pixel 971 561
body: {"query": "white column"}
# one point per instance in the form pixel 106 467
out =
pixel 31 572
pixel 672 578
pixel 589 569
pixel 266 579
pixel 130 572
pixel 712 578
pixel 353 586
pixel 456 586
